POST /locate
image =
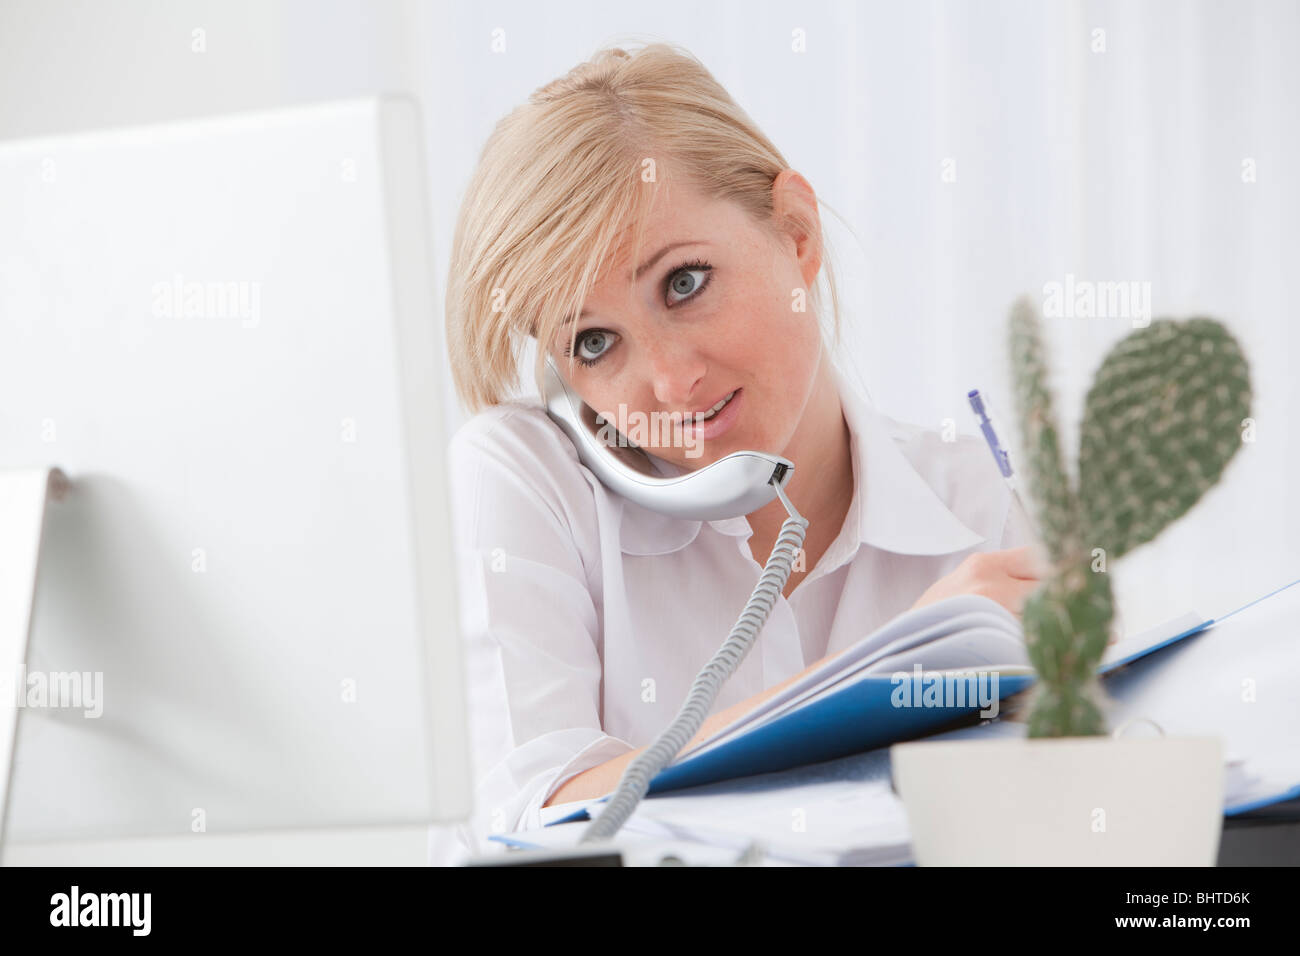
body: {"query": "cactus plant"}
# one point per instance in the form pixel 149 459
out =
pixel 1161 421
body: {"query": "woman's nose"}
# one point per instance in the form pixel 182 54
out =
pixel 675 373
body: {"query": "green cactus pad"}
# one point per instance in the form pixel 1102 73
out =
pixel 1050 489
pixel 1162 420
pixel 1067 624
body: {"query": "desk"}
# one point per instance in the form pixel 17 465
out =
pixel 404 845
pixel 1269 836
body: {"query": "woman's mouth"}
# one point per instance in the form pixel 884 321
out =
pixel 717 421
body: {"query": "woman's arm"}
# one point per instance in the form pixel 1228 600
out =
pixel 1007 577
pixel 525 526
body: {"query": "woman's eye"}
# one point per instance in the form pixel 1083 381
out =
pixel 592 345
pixel 684 281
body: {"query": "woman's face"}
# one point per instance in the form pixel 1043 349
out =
pixel 716 312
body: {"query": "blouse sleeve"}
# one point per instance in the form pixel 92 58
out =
pixel 523 517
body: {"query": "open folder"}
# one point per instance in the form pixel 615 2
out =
pixel 951 661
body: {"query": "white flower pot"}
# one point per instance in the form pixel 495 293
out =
pixel 1068 801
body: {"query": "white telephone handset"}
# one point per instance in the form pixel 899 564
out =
pixel 738 484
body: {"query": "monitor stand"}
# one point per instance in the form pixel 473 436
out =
pixel 23 497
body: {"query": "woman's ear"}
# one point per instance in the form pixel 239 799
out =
pixel 794 212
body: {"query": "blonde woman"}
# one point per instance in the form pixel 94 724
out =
pixel 632 221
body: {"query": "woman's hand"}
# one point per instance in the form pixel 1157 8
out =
pixel 1008 577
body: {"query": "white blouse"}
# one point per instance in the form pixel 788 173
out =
pixel 586 617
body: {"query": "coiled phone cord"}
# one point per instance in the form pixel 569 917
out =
pixel 636 778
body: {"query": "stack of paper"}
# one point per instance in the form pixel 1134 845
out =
pixel 829 824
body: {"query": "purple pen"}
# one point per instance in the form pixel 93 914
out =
pixel 1000 455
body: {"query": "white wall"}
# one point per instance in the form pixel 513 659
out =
pixel 1111 165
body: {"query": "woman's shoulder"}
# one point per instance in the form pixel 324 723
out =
pixel 942 455
pixel 514 431
pixel 957 467
pixel 961 471
pixel 524 448
pixel 510 424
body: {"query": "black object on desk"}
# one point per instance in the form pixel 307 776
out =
pixel 1268 836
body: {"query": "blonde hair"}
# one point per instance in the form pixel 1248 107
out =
pixel 559 184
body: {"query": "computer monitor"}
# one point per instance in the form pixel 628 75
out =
pixel 225 333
